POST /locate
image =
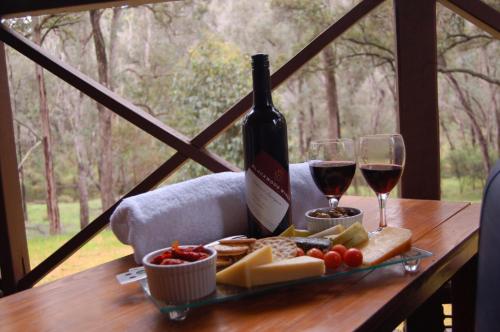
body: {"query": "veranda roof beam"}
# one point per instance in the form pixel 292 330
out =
pixel 20 8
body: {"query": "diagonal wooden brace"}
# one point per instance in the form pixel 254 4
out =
pixel 114 102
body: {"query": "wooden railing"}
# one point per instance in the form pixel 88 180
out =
pixel 415 22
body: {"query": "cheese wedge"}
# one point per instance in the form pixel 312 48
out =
pixel 286 270
pixel 294 232
pixel 238 274
pixel 335 230
pixel 387 243
pixel 354 235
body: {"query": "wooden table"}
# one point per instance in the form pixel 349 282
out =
pixel 93 301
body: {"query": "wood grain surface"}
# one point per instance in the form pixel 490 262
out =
pixel 93 301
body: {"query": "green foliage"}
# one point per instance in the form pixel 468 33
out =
pixel 217 76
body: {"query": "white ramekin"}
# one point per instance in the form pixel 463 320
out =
pixel 177 284
pixel 316 225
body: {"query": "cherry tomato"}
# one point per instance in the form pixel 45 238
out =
pixel 332 260
pixel 300 252
pixel 353 257
pixel 315 252
pixel 340 248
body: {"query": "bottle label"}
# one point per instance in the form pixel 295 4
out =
pixel 267 191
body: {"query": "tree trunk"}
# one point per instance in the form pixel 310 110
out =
pixel 494 103
pixel 83 194
pixel 483 144
pixel 312 125
pixel 394 95
pixel 147 41
pixel 52 207
pixel 497 118
pixel 331 92
pixel 18 141
pixel 105 167
pixel 301 119
pixel 113 33
pixel 380 101
pixel 81 160
pixel 454 161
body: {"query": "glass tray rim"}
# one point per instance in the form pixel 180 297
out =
pixel 224 293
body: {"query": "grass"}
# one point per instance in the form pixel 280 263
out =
pixel 453 190
pixel 102 248
pixel 105 247
pixel 70 217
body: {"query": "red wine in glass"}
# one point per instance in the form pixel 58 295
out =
pixel 333 177
pixel 381 160
pixel 332 163
pixel 382 178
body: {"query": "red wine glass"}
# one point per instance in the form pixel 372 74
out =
pixel 381 159
pixel 332 163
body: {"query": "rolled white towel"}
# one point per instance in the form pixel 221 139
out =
pixel 201 210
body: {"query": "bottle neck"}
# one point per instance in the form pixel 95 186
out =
pixel 261 87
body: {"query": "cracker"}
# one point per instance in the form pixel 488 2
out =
pixel 238 241
pixel 226 250
pixel 283 248
pixel 223 262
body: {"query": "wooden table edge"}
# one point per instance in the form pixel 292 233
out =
pixel 426 283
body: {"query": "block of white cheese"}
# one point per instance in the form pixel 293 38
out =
pixel 387 243
pixel 238 274
pixel 287 270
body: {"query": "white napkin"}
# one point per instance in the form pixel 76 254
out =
pixel 201 210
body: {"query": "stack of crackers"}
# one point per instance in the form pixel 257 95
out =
pixel 230 251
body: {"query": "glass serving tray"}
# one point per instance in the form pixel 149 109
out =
pixel 410 262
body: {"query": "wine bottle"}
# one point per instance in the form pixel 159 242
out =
pixel 265 144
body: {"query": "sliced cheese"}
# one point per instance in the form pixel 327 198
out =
pixel 387 243
pixel 335 230
pixel 295 232
pixel 290 231
pixel 238 274
pixel 301 233
pixel 286 270
pixel 351 237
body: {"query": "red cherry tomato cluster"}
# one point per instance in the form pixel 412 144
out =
pixel 177 255
pixel 336 255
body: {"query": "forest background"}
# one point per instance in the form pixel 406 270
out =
pixel 186 63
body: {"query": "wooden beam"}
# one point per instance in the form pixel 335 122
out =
pixel 14 259
pixel 477 12
pixel 20 8
pixel 114 102
pixel 417 96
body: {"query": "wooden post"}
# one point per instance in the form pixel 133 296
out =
pixel 417 96
pixel 14 259
pixel 419 120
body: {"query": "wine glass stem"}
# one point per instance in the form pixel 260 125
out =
pixel 333 202
pixel 382 198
